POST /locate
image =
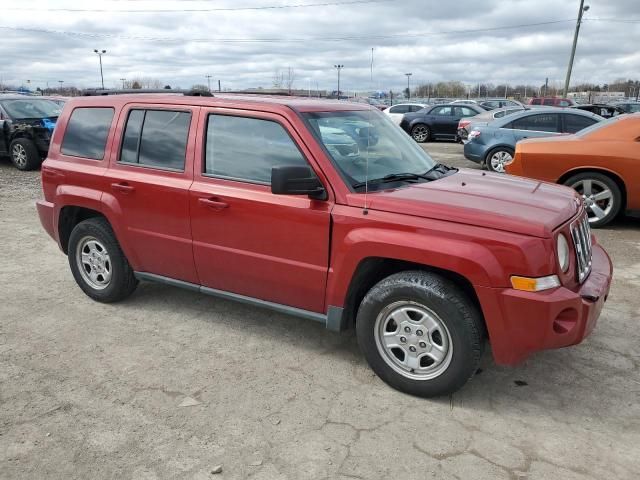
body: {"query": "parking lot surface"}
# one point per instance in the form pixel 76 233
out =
pixel 171 384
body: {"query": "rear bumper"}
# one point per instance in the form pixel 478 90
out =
pixel 521 323
pixel 46 214
pixel 474 152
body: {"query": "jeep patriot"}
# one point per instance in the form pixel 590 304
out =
pixel 328 211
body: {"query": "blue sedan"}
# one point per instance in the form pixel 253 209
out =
pixel 493 144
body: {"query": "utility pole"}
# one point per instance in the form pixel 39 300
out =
pixel 219 87
pixel 123 80
pixel 338 67
pixel 582 10
pixel 408 85
pixel 60 82
pixel 100 53
pixel 208 82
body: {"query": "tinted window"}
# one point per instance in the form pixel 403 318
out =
pixel 575 123
pixel 31 108
pixel 399 109
pixel 541 123
pixel 441 111
pixel 86 133
pixel 548 101
pixel 247 148
pixel 415 108
pixel 156 138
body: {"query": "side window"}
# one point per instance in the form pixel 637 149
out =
pixel 464 112
pixel 156 138
pixel 541 123
pixel 87 132
pixel 564 103
pixel 246 149
pixel 415 108
pixel 575 123
pixel 536 101
pixel 441 111
pixel 549 101
pixel 399 109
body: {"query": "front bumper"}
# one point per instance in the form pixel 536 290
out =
pixel 521 323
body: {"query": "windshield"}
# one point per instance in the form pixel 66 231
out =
pixel 366 145
pixel 31 108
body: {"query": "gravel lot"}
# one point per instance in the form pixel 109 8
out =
pixel 98 391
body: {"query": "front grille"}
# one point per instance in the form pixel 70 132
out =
pixel 581 234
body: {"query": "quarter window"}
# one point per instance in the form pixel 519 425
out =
pixel 575 123
pixel 156 138
pixel 87 132
pixel 242 148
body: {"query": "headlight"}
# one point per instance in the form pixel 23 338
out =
pixel 563 252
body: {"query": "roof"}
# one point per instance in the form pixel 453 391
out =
pixel 274 102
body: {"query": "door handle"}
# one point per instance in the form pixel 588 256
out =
pixel 122 187
pixel 213 203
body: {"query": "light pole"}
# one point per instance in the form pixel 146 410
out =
pixel 582 10
pixel 100 53
pixel 408 86
pixel 60 82
pixel 208 77
pixel 123 80
pixel 338 67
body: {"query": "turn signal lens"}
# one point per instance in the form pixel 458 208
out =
pixel 527 284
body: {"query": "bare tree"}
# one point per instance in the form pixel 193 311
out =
pixel 278 79
pixel 289 79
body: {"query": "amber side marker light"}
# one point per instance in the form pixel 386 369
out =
pixel 527 284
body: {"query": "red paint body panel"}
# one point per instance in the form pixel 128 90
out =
pixel 291 250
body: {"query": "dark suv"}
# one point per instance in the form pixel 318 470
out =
pixel 26 125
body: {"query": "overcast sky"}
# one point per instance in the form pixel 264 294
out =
pixel 181 47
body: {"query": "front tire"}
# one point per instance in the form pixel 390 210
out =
pixel 420 333
pixel 97 262
pixel 601 195
pixel 24 154
pixel 498 158
pixel 420 133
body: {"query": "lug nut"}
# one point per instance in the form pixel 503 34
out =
pixel 419 333
pixel 403 339
pixel 422 345
pixel 407 329
pixel 412 348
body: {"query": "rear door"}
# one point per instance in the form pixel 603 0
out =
pixel 442 121
pixel 397 112
pixel 148 185
pixel 246 240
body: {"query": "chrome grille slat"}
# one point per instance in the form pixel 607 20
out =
pixel 581 235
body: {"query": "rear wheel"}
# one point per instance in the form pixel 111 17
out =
pixel 498 158
pixel 420 333
pixel 420 133
pixel 98 265
pixel 24 154
pixel 601 195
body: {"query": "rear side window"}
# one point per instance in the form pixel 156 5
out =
pixel 156 138
pixel 246 149
pixel 86 133
pixel 464 112
pixel 575 123
pixel 400 109
pixel 539 123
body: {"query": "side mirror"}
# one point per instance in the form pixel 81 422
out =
pixel 296 180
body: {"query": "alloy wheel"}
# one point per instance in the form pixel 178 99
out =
pixel 19 155
pixel 94 263
pixel 499 160
pixel 413 340
pixel 597 197
pixel 420 133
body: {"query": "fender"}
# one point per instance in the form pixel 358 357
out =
pixel 113 211
pixel 472 260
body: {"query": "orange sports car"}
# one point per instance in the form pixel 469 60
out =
pixel 601 162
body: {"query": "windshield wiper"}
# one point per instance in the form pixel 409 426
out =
pixel 393 177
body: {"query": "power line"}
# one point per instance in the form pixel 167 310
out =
pixel 279 40
pixel 174 10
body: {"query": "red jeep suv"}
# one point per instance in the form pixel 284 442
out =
pixel 328 211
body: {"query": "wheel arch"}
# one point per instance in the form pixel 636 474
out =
pixel 493 148
pixel 602 171
pixel 69 217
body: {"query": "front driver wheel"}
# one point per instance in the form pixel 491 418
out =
pixel 601 196
pixel 420 333
pixel 420 133
pixel 24 154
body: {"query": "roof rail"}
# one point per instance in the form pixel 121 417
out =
pixel 127 91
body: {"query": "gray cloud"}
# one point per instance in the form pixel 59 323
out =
pixel 410 31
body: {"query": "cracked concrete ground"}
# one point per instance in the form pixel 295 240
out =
pixel 93 391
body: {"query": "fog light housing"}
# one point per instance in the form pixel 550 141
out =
pixel 527 284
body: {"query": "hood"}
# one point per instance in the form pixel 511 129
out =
pixel 495 201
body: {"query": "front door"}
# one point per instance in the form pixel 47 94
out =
pixel 538 125
pixel 247 240
pixel 148 185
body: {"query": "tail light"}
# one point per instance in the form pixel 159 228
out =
pixel 463 123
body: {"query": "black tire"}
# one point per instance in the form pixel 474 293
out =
pixel 24 154
pixel 453 308
pixel 421 133
pixel 598 180
pixel 122 282
pixel 497 150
